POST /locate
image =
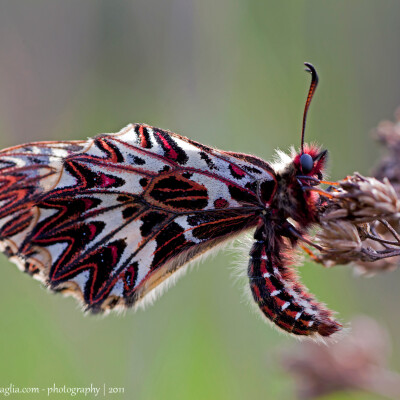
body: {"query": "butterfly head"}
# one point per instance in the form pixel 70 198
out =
pixel 310 163
pixel 297 175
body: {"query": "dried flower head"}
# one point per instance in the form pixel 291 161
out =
pixel 388 133
pixel 357 362
pixel 359 223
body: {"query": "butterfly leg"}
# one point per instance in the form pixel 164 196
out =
pixel 310 253
pixel 278 292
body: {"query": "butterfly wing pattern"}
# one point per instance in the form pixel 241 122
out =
pixel 109 219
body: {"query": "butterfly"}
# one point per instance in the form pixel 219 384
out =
pixel 111 220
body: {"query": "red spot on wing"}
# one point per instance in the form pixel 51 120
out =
pixel 129 278
pixel 221 203
pixel 171 153
pixel 93 230
pixel 114 254
pixel 106 181
pixel 88 203
pixel 143 141
pixel 237 170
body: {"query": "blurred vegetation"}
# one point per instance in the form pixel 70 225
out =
pixel 228 74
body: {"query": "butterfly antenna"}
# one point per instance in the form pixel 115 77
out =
pixel 314 82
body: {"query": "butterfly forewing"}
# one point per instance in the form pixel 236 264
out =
pixel 109 219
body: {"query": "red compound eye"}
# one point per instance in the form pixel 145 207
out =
pixel 220 203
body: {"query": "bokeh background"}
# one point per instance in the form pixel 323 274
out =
pixel 228 74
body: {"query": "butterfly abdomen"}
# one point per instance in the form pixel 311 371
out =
pixel 278 292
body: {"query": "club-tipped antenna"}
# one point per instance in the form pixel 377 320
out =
pixel 314 82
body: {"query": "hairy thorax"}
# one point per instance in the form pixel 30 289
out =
pixel 292 201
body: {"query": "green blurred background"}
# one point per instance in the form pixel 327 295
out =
pixel 225 73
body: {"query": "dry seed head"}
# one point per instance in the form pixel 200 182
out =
pixel 366 199
pixel 359 361
pixel 339 237
pixel 388 133
pixel 358 223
